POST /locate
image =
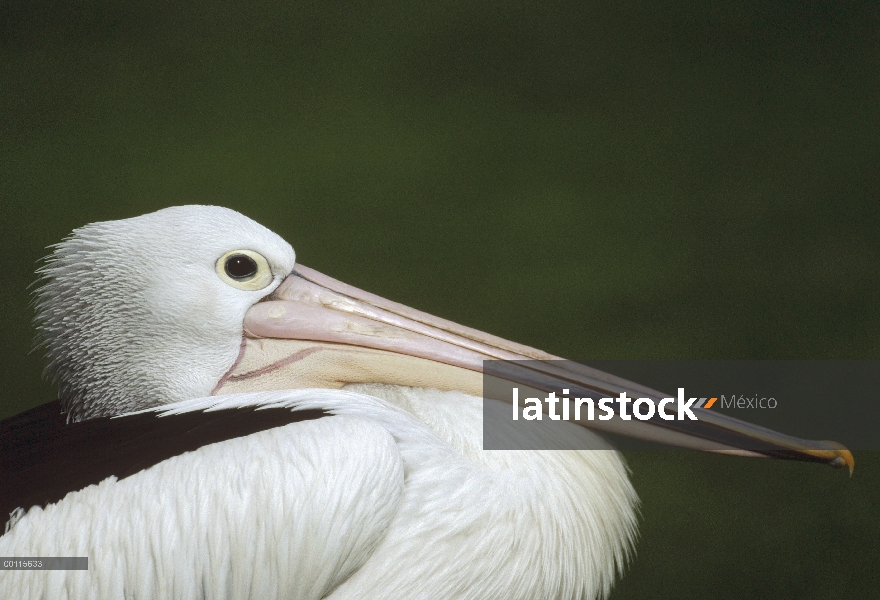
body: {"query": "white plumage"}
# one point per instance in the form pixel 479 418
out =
pixel 371 503
pixel 388 496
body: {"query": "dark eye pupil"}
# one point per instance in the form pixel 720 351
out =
pixel 240 266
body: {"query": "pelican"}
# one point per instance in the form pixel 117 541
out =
pixel 232 424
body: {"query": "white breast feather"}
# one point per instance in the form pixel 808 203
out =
pixel 371 500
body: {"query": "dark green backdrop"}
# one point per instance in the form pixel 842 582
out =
pixel 653 180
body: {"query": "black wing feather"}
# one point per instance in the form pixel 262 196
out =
pixel 42 457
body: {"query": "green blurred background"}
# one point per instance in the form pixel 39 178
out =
pixel 648 180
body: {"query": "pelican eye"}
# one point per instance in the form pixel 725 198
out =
pixel 244 269
pixel 241 267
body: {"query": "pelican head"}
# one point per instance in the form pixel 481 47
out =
pixel 192 301
pixel 149 310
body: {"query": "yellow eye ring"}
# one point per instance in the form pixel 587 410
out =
pixel 244 269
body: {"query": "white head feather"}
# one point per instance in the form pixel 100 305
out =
pixel 136 313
